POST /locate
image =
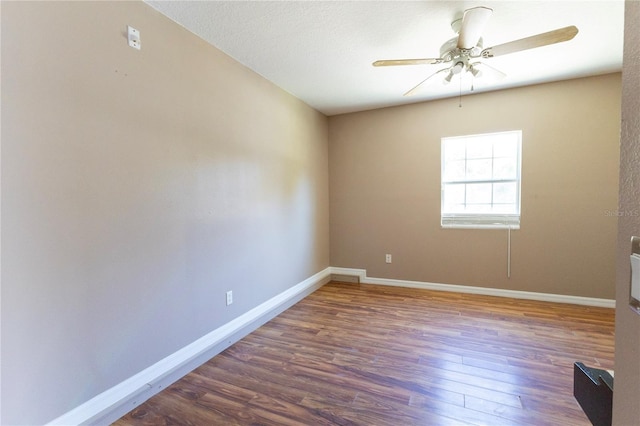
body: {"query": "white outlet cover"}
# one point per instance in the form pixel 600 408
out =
pixel 133 37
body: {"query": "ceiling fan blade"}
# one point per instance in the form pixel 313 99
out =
pixel 473 23
pixel 393 62
pixel 422 83
pixel 489 71
pixel 539 40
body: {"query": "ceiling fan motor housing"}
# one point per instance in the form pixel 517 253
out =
pixel 449 50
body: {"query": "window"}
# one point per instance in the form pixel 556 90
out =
pixel 481 181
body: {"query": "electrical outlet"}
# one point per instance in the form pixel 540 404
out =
pixel 229 297
pixel 388 258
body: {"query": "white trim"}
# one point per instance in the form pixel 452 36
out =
pixel 479 226
pixel 487 291
pixel 480 220
pixel 360 273
pixel 113 403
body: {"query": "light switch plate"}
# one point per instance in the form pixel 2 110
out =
pixel 133 36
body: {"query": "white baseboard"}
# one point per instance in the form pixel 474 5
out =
pixel 545 297
pixel 112 404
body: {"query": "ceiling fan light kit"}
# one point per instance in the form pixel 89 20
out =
pixel 468 46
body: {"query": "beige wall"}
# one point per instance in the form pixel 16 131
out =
pixel 137 187
pixel 626 410
pixel 385 190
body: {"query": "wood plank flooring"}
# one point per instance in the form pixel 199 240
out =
pixel 352 354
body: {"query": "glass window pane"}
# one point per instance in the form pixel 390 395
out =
pixel 505 209
pixel 479 193
pixel 480 148
pixel 454 171
pixel 454 194
pixel 454 149
pixel 505 168
pixel 505 147
pixel 506 192
pixel 456 208
pixel 479 169
pixel 478 208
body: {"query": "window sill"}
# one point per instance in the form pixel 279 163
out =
pixel 478 226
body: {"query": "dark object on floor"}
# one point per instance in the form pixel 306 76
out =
pixel 593 389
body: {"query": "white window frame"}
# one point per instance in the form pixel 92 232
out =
pixel 475 220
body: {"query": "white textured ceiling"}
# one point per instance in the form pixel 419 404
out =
pixel 321 51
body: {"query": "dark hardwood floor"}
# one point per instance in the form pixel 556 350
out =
pixel 353 354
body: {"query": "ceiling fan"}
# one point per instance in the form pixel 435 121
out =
pixel 463 52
